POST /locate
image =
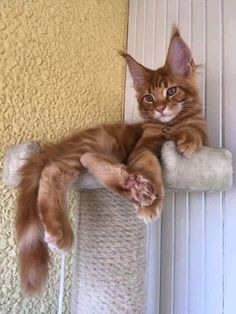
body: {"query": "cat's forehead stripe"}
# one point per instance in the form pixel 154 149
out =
pixel 159 82
pixel 163 82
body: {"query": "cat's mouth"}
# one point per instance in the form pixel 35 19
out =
pixel 166 118
pixel 163 116
pixel 167 114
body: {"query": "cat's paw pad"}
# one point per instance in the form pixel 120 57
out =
pixel 142 191
pixel 129 180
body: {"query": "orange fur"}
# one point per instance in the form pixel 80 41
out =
pixel 122 157
pixel 176 116
pixel 32 250
pixel 42 215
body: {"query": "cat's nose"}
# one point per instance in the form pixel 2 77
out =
pixel 161 108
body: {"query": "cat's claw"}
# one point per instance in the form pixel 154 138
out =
pixel 150 213
pixel 153 211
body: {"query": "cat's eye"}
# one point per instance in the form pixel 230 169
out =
pixel 149 98
pixel 171 91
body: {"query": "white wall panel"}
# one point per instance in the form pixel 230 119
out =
pixel 191 250
pixel 229 131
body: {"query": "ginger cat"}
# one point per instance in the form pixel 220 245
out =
pixel 122 157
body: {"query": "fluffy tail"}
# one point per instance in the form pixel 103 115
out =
pixel 32 250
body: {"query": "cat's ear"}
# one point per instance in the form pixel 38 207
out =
pixel 138 72
pixel 179 58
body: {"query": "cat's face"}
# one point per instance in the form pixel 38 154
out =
pixel 168 92
pixel 164 95
pixel 161 101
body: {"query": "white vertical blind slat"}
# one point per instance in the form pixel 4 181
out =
pixel 229 101
pixel 154 230
pixel 168 238
pixel 213 250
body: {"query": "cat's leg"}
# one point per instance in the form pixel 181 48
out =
pixel 143 159
pixel 119 178
pixel 148 164
pixel 55 181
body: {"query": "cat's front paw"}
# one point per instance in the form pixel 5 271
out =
pixel 188 145
pixel 150 212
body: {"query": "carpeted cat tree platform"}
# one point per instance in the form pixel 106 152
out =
pixel 109 268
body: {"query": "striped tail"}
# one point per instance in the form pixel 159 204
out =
pixel 33 252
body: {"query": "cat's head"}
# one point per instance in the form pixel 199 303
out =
pixel 170 91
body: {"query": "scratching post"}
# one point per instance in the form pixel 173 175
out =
pixel 110 260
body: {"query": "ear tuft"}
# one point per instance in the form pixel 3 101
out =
pixel 175 31
pixel 122 53
pixel 179 58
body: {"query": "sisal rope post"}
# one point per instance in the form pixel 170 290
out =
pixel 109 271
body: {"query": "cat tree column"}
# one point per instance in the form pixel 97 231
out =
pixel 109 268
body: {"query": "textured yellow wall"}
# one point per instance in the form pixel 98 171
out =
pixel 59 71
